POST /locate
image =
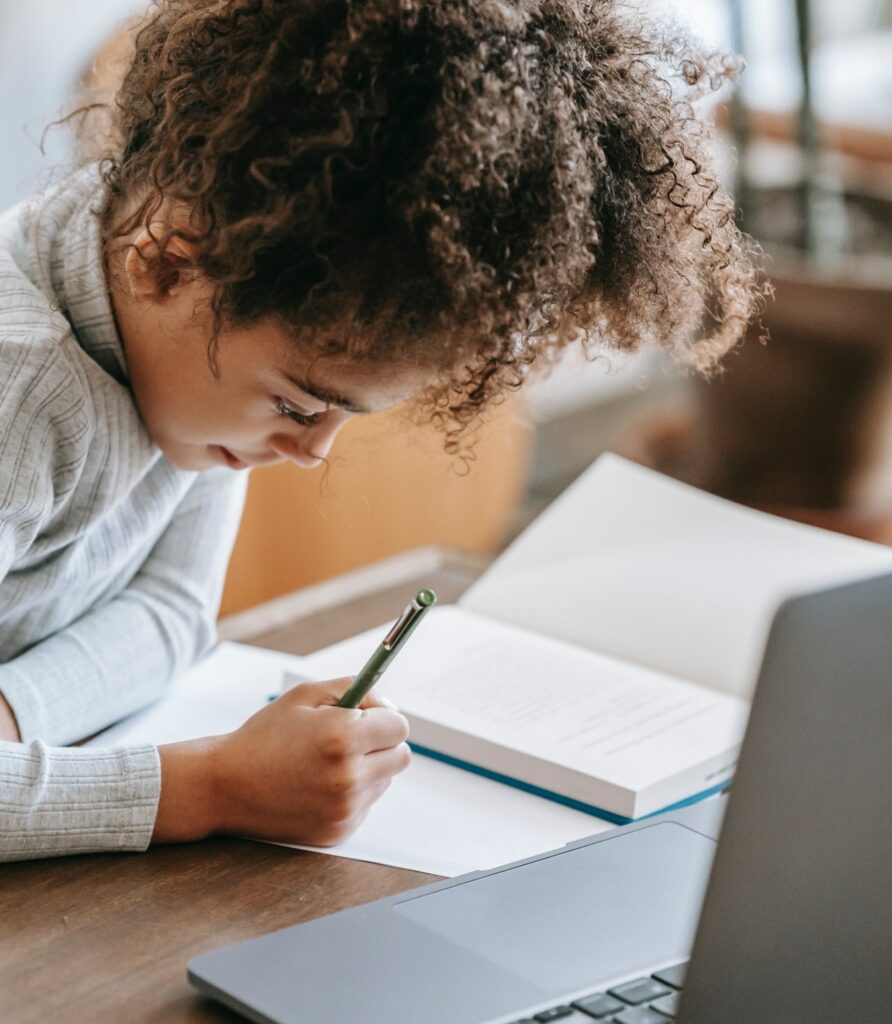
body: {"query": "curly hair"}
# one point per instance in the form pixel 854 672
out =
pixel 470 184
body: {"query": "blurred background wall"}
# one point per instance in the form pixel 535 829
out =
pixel 802 425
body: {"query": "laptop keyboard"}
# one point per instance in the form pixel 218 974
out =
pixel 650 1000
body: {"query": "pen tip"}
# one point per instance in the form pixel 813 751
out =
pixel 426 598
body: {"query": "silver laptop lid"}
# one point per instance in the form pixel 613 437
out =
pixel 797 923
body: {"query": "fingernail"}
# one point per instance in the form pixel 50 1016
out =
pixel 389 703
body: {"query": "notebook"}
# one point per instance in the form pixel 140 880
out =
pixel 605 660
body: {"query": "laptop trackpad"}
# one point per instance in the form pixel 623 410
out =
pixel 580 916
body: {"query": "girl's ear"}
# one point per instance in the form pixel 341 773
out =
pixel 156 273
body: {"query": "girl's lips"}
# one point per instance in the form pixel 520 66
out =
pixel 233 461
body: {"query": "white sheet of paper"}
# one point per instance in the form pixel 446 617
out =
pixel 448 821
pixel 434 817
pixel 649 570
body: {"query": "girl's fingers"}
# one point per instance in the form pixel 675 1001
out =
pixel 382 765
pixel 321 694
pixel 376 699
pixel 379 729
pixel 330 691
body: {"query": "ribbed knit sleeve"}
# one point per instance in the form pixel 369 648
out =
pixel 45 436
pixel 115 659
pixel 120 656
pixel 56 801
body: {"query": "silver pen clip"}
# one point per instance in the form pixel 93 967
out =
pixel 411 612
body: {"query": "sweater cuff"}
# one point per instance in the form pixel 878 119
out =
pixel 56 800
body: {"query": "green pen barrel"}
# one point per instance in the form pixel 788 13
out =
pixel 365 679
pixel 372 670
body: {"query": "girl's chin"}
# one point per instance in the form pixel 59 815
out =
pixel 193 458
pixel 229 459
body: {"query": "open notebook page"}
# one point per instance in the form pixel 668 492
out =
pixel 564 707
pixel 433 818
pixel 634 564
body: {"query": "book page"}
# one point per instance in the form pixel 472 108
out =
pixel 628 726
pixel 636 565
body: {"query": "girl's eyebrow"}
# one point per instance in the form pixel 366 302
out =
pixel 325 396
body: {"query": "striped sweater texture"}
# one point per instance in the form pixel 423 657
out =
pixel 111 559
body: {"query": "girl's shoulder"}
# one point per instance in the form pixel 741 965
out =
pixel 47 416
pixel 34 362
pixel 26 311
pixel 46 430
pixel 46 411
pixel 44 372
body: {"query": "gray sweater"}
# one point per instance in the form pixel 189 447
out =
pixel 111 560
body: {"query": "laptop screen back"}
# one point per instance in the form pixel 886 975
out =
pixel 796 925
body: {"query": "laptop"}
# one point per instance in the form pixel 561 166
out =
pixel 786 919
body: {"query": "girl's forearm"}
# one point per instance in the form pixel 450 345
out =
pixel 188 807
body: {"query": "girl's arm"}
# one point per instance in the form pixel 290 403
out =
pixel 300 770
pixel 57 800
pixel 115 659
pixel 120 656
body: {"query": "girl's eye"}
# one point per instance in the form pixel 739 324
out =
pixel 305 419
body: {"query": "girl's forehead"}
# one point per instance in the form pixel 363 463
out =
pixel 364 385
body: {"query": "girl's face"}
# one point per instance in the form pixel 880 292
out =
pixel 270 401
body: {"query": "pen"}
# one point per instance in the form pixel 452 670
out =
pixel 386 651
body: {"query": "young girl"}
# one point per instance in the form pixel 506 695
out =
pixel 315 209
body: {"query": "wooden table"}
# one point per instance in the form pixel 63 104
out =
pixel 106 937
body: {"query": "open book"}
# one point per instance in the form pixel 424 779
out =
pixel 604 660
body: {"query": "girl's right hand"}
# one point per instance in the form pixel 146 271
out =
pixel 299 771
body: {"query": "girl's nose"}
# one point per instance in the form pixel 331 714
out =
pixel 311 445
pixel 320 438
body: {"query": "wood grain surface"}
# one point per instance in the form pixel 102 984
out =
pixel 107 937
